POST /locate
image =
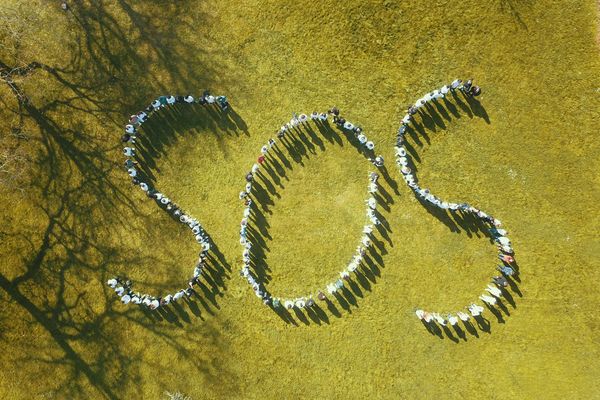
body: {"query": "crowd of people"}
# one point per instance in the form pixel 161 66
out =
pixel 246 195
pixel 123 288
pixel 494 290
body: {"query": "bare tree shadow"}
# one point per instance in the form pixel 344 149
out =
pixel 110 68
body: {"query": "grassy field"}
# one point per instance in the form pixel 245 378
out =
pixel 72 219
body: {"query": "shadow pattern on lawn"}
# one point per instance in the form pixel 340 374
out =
pixel 162 130
pixel 59 288
pixel 297 147
pixel 431 119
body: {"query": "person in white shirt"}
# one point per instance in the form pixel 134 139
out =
pixel 353 266
pixel 171 100
pixel 455 84
pixel 120 290
pixel 188 99
pixel 439 319
pixel 126 299
pixel 463 316
pixel 488 299
pixel 372 203
pixel 452 319
pixel 475 310
pixel 503 240
pixel 494 291
pixel 427 317
pixel 500 232
pixel 178 295
pixel 112 283
pixel 331 288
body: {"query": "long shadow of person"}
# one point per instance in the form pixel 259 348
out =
pixel 291 151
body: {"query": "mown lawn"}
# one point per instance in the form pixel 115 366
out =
pixel 529 155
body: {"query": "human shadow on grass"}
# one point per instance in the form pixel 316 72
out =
pixel 58 268
pixel 428 121
pixel 170 124
pixel 296 148
pixel 163 129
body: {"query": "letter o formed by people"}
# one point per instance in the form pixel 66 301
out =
pixel 249 198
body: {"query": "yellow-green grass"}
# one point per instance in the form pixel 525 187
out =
pixel 76 220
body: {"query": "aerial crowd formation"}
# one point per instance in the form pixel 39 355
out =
pixel 123 287
pixel 493 291
pixel 331 288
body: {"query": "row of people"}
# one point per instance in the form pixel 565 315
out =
pixel 499 235
pixel 452 319
pixel 129 137
pixel 367 232
pixel 128 296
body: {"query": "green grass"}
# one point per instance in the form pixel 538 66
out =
pixel 75 220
